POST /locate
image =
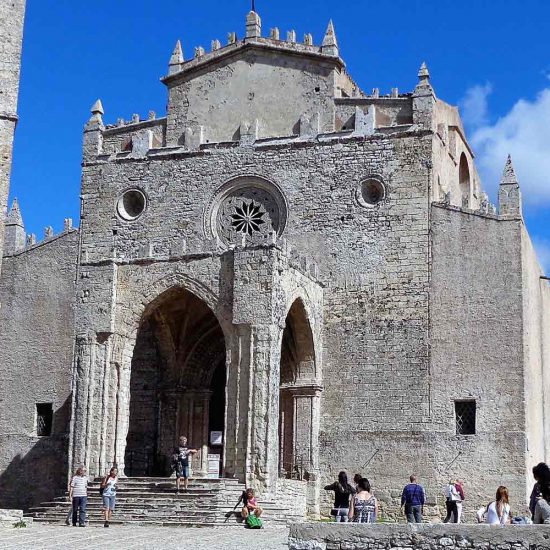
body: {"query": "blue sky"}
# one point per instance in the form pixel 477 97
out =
pixel 491 58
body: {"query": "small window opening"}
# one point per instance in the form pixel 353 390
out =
pixel 44 419
pixel 465 413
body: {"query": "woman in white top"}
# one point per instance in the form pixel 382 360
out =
pixel 109 495
pixel 498 512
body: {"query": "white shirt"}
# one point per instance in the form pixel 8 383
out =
pixel 452 493
pixel 491 517
pixel 80 486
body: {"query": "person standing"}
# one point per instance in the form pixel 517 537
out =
pixel 413 499
pixel 181 462
pixel 109 495
pixel 364 505
pixel 451 498
pixel 541 473
pixel 78 494
pixel 459 486
pixel 342 493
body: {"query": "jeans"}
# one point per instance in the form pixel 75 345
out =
pixel 79 504
pixel 413 513
pixel 341 514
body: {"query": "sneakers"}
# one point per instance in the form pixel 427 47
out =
pixel 106 524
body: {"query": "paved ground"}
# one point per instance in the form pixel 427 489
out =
pixel 130 537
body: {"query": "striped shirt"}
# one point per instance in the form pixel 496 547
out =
pixel 79 485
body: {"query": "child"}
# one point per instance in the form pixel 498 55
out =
pixel 250 505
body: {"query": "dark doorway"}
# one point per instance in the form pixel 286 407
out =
pixel 177 384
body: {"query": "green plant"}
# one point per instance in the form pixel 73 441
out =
pixel 20 524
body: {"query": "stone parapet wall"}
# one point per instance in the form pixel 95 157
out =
pixel 319 536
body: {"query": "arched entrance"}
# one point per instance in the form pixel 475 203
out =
pixel 177 384
pixel 298 391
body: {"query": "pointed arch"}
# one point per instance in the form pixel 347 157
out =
pixel 178 366
pixel 464 181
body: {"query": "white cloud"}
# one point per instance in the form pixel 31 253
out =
pixel 542 248
pixel 473 107
pixel 524 132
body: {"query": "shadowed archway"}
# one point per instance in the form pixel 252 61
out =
pixel 177 384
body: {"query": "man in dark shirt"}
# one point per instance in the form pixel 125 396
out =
pixel 180 461
pixel 413 499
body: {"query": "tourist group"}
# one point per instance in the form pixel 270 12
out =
pixel 357 503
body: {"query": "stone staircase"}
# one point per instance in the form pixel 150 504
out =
pixel 153 501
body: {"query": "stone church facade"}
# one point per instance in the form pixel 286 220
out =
pixel 311 270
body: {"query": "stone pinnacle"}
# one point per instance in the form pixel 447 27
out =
pixel 177 55
pixel 14 216
pixel 509 174
pixel 97 108
pixel 423 72
pixel 330 44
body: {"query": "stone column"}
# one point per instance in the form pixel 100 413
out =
pixel 83 359
pixel 236 407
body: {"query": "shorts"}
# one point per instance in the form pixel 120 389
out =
pixel 182 471
pixel 109 502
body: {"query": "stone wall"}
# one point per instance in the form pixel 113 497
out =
pixel 309 536
pixel 476 353
pixel 536 354
pixel 12 15
pixel 36 343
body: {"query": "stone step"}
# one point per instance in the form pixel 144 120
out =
pixel 155 501
pixel 156 505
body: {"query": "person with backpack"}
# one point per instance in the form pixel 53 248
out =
pixel 251 511
pixel 498 511
pixel 107 488
pixel 342 493
pixel 413 499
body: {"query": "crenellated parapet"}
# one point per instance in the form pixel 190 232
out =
pixel 17 240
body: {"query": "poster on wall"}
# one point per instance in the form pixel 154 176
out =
pixel 216 438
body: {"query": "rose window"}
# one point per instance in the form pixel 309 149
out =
pixel 248 218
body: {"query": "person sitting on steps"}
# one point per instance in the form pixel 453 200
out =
pixel 250 504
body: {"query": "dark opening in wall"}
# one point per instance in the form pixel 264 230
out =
pixel 44 419
pixel 465 413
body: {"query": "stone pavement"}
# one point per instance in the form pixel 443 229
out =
pixel 130 537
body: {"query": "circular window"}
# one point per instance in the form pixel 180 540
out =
pixel 131 204
pixel 371 192
pixel 246 206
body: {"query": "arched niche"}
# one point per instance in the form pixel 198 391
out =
pixel 464 181
pixel 298 392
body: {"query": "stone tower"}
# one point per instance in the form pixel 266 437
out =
pixel 12 15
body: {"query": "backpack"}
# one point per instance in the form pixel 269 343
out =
pixel 252 522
